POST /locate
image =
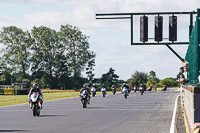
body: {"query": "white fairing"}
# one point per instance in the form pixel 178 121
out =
pixel 124 89
pixel 92 89
pixel 34 96
pixel 103 89
pixel 84 94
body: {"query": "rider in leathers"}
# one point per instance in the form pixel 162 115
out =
pixel 113 88
pixel 85 88
pixel 36 89
pixel 103 86
pixel 94 85
pixel 124 85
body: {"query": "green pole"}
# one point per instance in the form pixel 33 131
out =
pixel 175 53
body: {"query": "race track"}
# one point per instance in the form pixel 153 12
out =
pixel 150 113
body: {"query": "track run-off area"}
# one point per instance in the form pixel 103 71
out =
pixel 148 113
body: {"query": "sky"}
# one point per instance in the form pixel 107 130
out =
pixel 109 39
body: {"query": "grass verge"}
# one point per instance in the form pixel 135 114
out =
pixel 6 100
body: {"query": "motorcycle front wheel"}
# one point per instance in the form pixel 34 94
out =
pixel 125 96
pixel 34 110
pixel 85 103
pixel 38 111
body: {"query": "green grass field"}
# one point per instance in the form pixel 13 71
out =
pixel 6 100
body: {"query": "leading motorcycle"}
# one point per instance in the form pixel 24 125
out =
pixel 35 102
pixel 84 98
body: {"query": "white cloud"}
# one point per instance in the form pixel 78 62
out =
pixel 51 19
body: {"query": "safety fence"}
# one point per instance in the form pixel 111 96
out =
pixel 191 91
pixel 193 52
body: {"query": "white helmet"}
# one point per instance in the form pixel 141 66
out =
pixel 35 85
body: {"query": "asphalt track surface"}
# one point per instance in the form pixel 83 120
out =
pixel 150 113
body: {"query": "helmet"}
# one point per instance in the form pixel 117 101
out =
pixel 35 85
pixel 113 85
pixel 93 84
pixel 124 83
pixel 84 86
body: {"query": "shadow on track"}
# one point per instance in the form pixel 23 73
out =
pixel 7 131
pixel 50 115
pixel 94 107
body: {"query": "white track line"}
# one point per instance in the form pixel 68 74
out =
pixel 174 116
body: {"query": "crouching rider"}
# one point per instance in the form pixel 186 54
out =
pixel 85 88
pixel 35 89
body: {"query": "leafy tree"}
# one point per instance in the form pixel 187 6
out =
pixel 110 77
pixel 16 54
pixel 77 50
pixel 138 78
pixel 152 74
pixel 170 82
pixel 152 80
pixel 47 51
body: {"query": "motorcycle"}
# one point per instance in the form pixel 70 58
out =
pixel 150 88
pixel 125 92
pixel 35 103
pixel 135 89
pixel 141 90
pixel 103 91
pixel 113 91
pixel 84 98
pixel 129 90
pixel 93 91
pixel 164 88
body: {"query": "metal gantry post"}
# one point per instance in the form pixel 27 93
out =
pixel 131 29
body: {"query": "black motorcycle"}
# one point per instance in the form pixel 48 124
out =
pixel 141 90
pixel 113 91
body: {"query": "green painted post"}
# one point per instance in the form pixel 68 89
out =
pixel 175 53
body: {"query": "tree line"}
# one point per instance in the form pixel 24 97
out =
pixel 145 79
pixel 53 59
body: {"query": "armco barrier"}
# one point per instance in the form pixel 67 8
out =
pixel 9 92
pixel 1 91
pixel 17 92
pixel 21 92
